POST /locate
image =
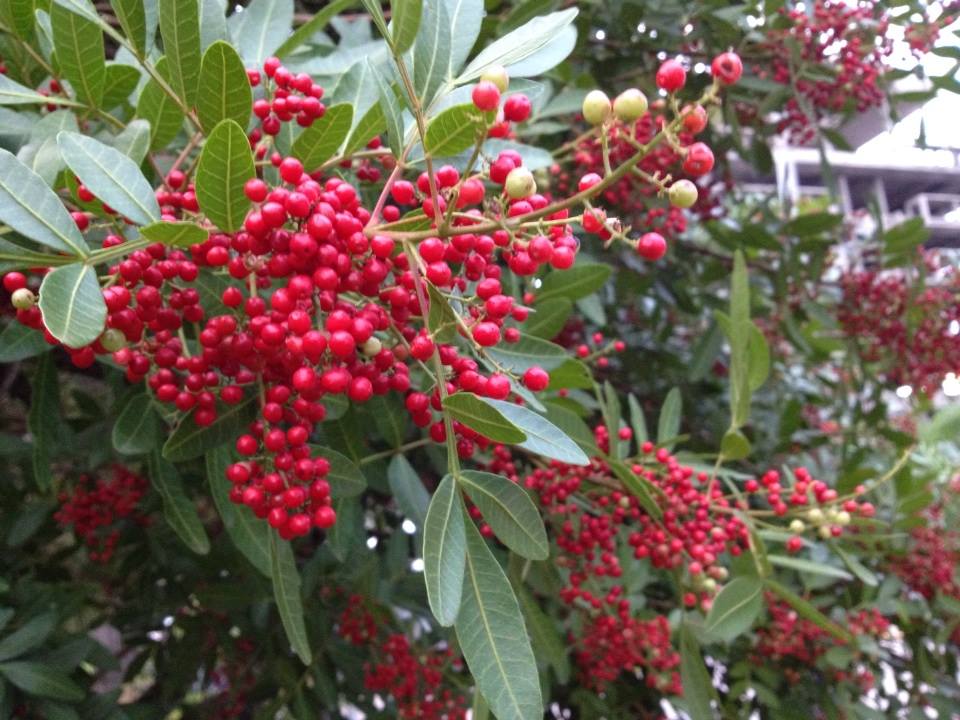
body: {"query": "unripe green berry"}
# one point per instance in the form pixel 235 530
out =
pixel 497 74
pixel 825 532
pixel 596 107
pixel 520 183
pixel 630 105
pixel 23 299
pixel 683 194
pixel 709 586
pixel 371 347
pixel 113 340
pixel 843 518
pixel 815 516
pixel 797 526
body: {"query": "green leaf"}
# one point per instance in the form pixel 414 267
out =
pixel 705 352
pixel 213 23
pixel 178 509
pixel 637 421
pixel 179 234
pixel 408 490
pixel 36 678
pixel 611 418
pixel 808 611
pixel 441 319
pixel 863 573
pixel 573 426
pixel 225 92
pixel 159 109
pixel 121 81
pixel 806 566
pixel 738 333
pixel 905 237
pixel 19 342
pixel 226 163
pixel 286 591
pixel 810 224
pixel 44 418
pixel 734 445
pixel 465 18
pixel 549 317
pixel 758 359
pixel 32 209
pixel 735 608
pixel 110 175
pixel 345 477
pixel 544 634
pixel 543 437
pixel 369 126
pixel 668 422
pixel 519 44
pixel 639 487
pixel 509 511
pixel 581 280
pixel 190 440
pixel 72 304
pixel 944 426
pixel 260 28
pixel 486 420
pixel 137 429
pixel 78 42
pixel 444 552
pixel 314 25
pixel 390 417
pixel 698 688
pixel 392 112
pixel 13 93
pixel 405 22
pixel 347 534
pixel 32 634
pixel 133 20
pixel 18 16
pixel 180 30
pixel 526 353
pixel 249 534
pixel 493 637
pixel 454 130
pixel 432 51
pixel 319 142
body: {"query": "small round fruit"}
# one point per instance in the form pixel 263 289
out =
pixel 536 379
pixel 113 340
pixel 699 160
pixel 694 119
pixel 671 76
pixel 683 194
pixel 23 299
pixel 596 107
pixel 630 105
pixel 727 67
pixel 371 347
pixel 517 108
pixel 497 74
pixel 520 183
pixel 486 96
pixel 651 246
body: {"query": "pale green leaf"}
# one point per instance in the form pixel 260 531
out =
pixel 137 428
pixel 735 608
pixel 543 437
pixel 72 305
pixel 159 109
pixel 286 591
pixel 581 280
pixel 260 28
pixel 509 511
pixel 404 23
pixel 78 41
pixel 486 420
pixel 444 552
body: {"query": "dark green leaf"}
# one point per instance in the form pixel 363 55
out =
pixel 579 281
pixel 159 109
pixel 637 421
pixel 444 552
pixel 486 420
pixel 735 608
pixel 319 142
pixel 44 418
pixel 454 130
pixel 639 487
pixel 441 319
pixel 72 304
pixel 180 30
pixel 286 591
pixel 80 50
pixel 527 352
pixel 249 534
pixel 346 479
pixel 758 358
pixel 734 445
pixel 137 429
pixel 32 634
pixel 549 317
pixel 493 637
pixel 226 163
pixel 35 678
pixel 404 23
pixel 19 342
pixel 545 635
pixel 225 92
pixel 178 508
pixel 179 234
pixel 697 686
pixel 110 175
pixel 133 20
pixel 408 490
pixel 509 511
pixel 811 224
pixel 121 81
pixel 905 237
pixel 190 440
pixel 668 422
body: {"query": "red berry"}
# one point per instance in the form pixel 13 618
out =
pixel 486 96
pixel 536 379
pixel 652 246
pixel 671 76
pixel 727 67
pixel 486 334
pixel 517 108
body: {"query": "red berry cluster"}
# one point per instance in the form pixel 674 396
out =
pixel 911 336
pixel 929 565
pixel 96 509
pixel 288 97
pixel 841 60
pixel 810 502
pixel 413 677
pixel 795 644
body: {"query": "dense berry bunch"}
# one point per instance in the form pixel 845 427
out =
pixel 930 565
pixel 412 677
pixel 96 508
pixel 914 338
pixel 838 65
pixel 795 644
